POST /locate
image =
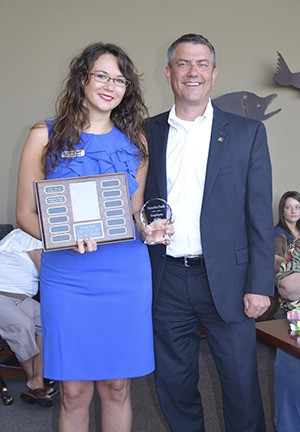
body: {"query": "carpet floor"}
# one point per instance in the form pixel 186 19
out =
pixel 147 417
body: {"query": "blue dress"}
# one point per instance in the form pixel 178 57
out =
pixel 96 307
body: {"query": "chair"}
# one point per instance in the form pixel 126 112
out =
pixel 5 229
pixel 7 400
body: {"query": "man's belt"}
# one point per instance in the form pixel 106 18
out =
pixel 188 260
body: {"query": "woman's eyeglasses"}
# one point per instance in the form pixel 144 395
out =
pixel 104 78
pixel 292 207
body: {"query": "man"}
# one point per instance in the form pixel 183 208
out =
pixel 218 272
pixel 20 322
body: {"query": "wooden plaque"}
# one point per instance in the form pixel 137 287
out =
pixel 84 207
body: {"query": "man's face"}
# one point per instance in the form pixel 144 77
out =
pixel 191 76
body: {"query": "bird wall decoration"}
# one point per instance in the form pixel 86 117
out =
pixel 246 104
pixel 283 75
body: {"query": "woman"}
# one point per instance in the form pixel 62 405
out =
pixel 289 216
pixel 96 307
pixel 287 278
pixel 287 229
pixel 287 366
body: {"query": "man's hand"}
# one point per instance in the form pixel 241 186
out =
pixel 255 305
pixel 159 231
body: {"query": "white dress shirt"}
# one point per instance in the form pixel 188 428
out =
pixel 187 154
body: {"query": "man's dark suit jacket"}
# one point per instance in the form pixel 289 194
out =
pixel 236 219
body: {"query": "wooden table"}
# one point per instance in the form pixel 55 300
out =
pixel 277 333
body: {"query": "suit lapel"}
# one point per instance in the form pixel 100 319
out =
pixel 159 149
pixel 217 147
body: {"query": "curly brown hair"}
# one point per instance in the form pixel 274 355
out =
pixel 72 116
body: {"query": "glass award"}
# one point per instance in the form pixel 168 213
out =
pixel 154 215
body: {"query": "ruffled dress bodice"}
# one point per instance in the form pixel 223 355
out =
pixel 100 154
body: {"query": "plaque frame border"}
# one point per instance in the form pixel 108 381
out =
pixel 43 216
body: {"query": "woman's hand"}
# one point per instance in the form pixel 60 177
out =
pixel 86 245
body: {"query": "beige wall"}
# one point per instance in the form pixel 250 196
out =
pixel 38 38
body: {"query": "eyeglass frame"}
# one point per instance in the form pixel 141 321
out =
pixel 292 207
pixel 127 82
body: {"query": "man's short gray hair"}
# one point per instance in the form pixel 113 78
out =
pixel 194 39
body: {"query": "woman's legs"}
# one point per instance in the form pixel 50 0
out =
pixel 76 397
pixel 116 410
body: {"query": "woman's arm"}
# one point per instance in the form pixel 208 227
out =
pixel 145 233
pixel 289 287
pixel 30 169
pixel 138 198
pixel 35 256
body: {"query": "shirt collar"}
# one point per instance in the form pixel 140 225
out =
pixel 174 121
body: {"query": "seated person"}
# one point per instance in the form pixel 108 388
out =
pixel 285 232
pixel 289 216
pixel 287 229
pixel 287 367
pixel 288 278
pixel 20 324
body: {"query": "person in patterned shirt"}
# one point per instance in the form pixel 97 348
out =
pixel 287 366
pixel 288 277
